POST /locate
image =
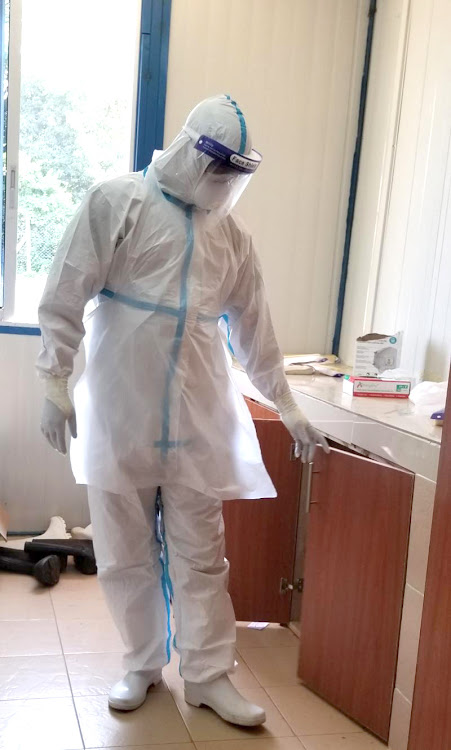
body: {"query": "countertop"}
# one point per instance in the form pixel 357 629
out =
pixel 381 427
pixel 394 412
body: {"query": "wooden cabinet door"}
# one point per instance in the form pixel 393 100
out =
pixel 430 727
pixel 356 553
pixel 261 534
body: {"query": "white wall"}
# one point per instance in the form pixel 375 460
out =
pixel 400 269
pixel 294 68
pixel 35 481
pixel 379 138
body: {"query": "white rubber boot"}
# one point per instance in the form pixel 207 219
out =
pixel 131 692
pixel 79 533
pixel 56 530
pixel 225 700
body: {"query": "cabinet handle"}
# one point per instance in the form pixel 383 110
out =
pixel 308 491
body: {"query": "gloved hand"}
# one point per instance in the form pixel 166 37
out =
pixel 297 424
pixel 58 409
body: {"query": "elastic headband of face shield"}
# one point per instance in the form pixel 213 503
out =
pixel 224 159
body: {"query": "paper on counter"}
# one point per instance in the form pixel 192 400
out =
pixel 308 364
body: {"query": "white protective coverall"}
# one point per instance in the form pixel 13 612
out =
pixel 156 405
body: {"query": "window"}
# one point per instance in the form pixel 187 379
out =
pixel 71 119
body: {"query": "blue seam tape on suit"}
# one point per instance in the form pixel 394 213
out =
pixel 167 589
pixel 140 305
pixel 176 201
pixel 168 611
pixel 179 331
pixel 229 331
pixel 242 124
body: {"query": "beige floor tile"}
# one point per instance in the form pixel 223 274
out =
pixel 32 604
pixel 243 678
pixel 273 743
pixel 156 722
pixel 356 741
pixel 171 746
pixel 42 724
pixel 74 581
pixel 94 674
pixel 307 714
pixel 271 637
pixel 203 724
pixel 16 583
pixel 28 638
pixel 89 636
pixel 81 606
pixel 33 677
pixel 273 667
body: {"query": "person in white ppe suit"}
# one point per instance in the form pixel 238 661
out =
pixel 162 430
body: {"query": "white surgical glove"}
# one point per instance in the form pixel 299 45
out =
pixel 297 424
pixel 58 409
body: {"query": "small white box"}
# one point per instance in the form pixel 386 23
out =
pixel 375 353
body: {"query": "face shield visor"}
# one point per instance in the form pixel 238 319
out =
pixel 226 176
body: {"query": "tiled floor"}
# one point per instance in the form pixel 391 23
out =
pixel 60 653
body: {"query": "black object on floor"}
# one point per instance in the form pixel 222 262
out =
pixel 81 549
pixel 46 570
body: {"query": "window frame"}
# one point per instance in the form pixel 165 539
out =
pixel 152 80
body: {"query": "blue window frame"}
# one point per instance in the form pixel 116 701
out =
pixel 152 74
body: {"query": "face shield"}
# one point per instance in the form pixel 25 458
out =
pixel 226 176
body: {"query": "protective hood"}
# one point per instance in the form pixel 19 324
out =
pixel 180 168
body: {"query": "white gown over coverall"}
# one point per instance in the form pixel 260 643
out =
pixel 156 405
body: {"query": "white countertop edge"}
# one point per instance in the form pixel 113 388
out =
pixel 409 451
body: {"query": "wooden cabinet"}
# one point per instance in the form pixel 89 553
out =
pixel 354 568
pixel 357 542
pixel 261 534
pixel 431 712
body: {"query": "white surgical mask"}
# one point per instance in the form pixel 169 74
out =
pixel 213 193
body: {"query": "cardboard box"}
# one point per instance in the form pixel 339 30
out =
pixel 375 353
pixel 380 388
